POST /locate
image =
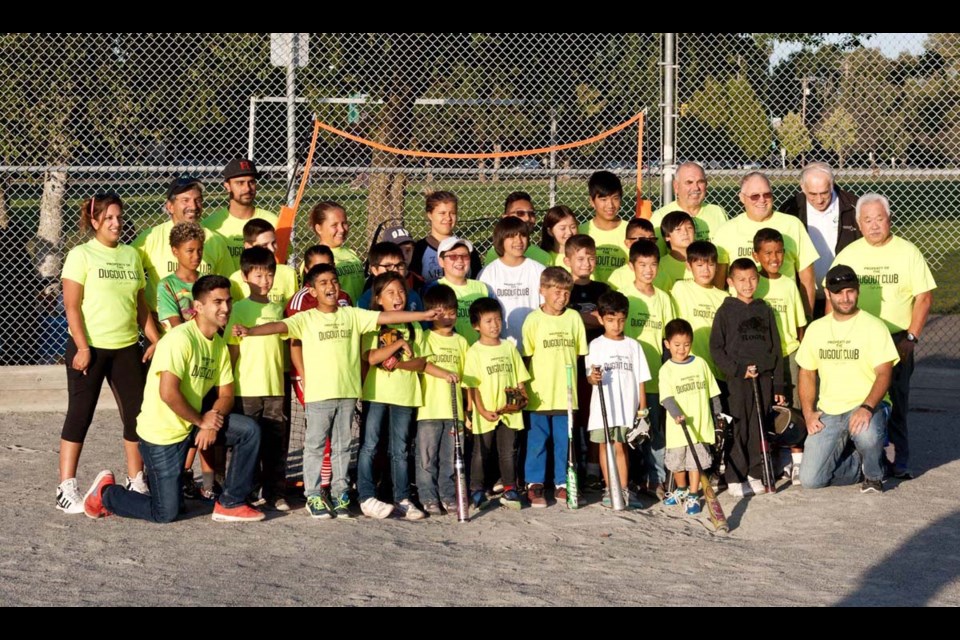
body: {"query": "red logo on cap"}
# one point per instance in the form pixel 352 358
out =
pixel 244 165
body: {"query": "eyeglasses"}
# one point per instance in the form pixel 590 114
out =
pixel 527 213
pixel 394 266
pixel 756 197
pixel 456 257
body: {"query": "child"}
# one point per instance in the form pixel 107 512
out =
pixel 580 260
pixel 783 296
pixel 492 366
pixel 689 393
pixel 331 336
pixel 606 228
pixel 258 382
pixel 454 254
pixel 329 222
pixel 553 337
pixel 435 421
pixel 391 389
pixel 402 238
pixel 175 292
pixel 618 370
pixel 519 205
pixel 260 233
pixel 650 311
pixel 513 279
pixel 441 210
pixel 559 225
pixel 384 257
pixel 678 231
pixel 698 301
pixel 637 229
pixel 745 344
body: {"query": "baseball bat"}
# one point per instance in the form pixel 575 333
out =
pixel 714 510
pixel 613 474
pixel 458 466
pixel 769 484
pixel 573 490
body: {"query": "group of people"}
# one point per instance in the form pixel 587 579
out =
pixel 691 325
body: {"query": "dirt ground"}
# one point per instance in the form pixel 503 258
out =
pixel 829 547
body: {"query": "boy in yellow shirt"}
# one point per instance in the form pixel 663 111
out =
pixel 606 227
pixel 260 233
pixel 330 334
pixel 637 229
pixel 492 366
pixel 454 254
pixel 258 373
pixel 678 232
pixel 553 337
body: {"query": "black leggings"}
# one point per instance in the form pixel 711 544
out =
pixel 124 372
pixel 506 441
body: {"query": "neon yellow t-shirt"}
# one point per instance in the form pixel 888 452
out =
pixel 331 350
pixel 200 363
pixel 258 371
pixel 646 318
pixel 783 296
pixel 670 272
pixel 845 354
pixel 349 271
pixel 611 250
pixel 159 262
pixel 472 290
pixel 284 285
pixel 706 223
pixel 231 228
pixel 735 240
pixel 556 260
pixel 551 343
pixel 111 279
pixel 397 387
pixel 450 353
pixel 490 370
pixel 622 277
pixel 698 305
pixel 534 252
pixel 891 276
pixel 692 385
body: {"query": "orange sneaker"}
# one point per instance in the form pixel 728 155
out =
pixel 93 500
pixel 240 513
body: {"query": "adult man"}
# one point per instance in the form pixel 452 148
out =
pixel 519 204
pixel 854 356
pixel 190 360
pixel 690 189
pixel 829 215
pixel 240 182
pixel 735 239
pixel 184 204
pixel 896 286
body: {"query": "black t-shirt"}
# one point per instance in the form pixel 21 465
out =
pixel 584 298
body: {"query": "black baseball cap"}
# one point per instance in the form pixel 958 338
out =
pixel 842 277
pixel 182 185
pixel 240 167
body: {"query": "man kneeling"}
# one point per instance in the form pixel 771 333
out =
pixel 853 353
pixel 189 361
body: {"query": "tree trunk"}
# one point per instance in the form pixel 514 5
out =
pixel 4 214
pixel 51 217
pixel 497 147
pixel 387 190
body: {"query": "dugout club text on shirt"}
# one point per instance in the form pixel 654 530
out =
pixel 204 269
pixel 335 334
pixel 349 268
pixel 610 258
pixel 642 322
pixel 499 366
pixel 838 350
pixel 694 385
pixel 513 291
pixel 117 274
pixel 205 370
pixel 705 312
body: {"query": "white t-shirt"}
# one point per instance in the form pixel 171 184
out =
pixel 624 368
pixel 823 229
pixel 518 291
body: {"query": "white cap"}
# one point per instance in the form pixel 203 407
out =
pixel 451 242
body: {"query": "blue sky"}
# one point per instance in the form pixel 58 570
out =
pixel 891 44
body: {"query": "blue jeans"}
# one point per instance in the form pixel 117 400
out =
pixel 327 419
pixel 542 428
pixel 435 461
pixel 164 467
pixel 399 419
pixel 653 449
pixel 833 456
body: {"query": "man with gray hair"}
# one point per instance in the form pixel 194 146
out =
pixel 829 215
pixel 896 286
pixel 690 189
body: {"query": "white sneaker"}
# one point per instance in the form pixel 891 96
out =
pixel 795 474
pixel 373 508
pixel 69 498
pixel 137 483
pixel 756 485
pixel 409 510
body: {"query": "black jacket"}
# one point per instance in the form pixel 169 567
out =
pixel 849 230
pixel 745 334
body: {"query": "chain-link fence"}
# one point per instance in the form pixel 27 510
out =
pixel 81 113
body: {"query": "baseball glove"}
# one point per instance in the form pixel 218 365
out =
pixel 516 401
pixel 387 337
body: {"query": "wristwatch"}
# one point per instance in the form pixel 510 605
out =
pixel 912 338
pixel 872 410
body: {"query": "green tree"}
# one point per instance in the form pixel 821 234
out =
pixel 793 136
pixel 838 133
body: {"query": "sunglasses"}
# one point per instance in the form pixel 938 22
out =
pixel 756 197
